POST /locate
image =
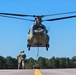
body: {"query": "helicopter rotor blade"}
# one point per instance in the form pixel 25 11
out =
pixel 60 18
pixel 21 15
pixel 15 17
pixel 59 14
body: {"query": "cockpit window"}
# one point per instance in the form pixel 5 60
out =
pixel 35 27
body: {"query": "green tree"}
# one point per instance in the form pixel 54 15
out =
pixel 62 62
pixel 11 62
pixel 53 62
pixel 48 63
pixel 29 63
pixel 57 63
pixel 3 64
pixel 73 61
pixel 42 62
pixel 68 63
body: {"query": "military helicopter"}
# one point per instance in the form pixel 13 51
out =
pixel 38 33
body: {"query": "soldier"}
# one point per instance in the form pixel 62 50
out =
pixel 21 60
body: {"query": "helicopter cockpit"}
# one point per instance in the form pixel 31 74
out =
pixel 39 29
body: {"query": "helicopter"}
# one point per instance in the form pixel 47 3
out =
pixel 38 33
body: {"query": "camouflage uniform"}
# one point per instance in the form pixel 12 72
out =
pixel 21 58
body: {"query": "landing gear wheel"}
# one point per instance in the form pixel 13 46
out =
pixel 28 47
pixel 47 46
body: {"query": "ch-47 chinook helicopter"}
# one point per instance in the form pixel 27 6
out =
pixel 37 34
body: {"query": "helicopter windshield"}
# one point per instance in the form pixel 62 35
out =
pixel 39 29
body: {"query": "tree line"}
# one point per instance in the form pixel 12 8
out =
pixel 45 63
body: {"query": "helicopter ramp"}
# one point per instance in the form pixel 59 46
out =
pixel 39 72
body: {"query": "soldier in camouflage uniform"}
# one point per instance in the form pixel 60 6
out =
pixel 21 60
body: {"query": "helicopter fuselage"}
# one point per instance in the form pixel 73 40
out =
pixel 37 36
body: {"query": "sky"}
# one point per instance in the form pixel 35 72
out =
pixel 62 33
